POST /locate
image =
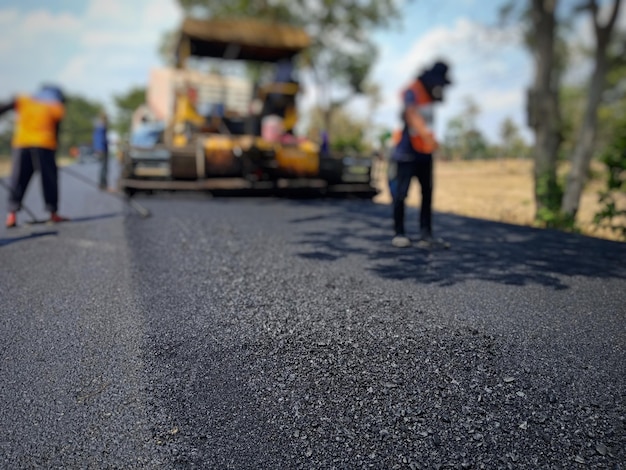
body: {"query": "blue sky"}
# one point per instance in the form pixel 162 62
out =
pixel 93 47
pixel 99 48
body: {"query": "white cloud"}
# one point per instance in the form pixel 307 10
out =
pixel 101 10
pixel 160 13
pixel 104 51
pixel 501 100
pixel 128 39
pixel 8 17
pixel 78 66
pixel 44 23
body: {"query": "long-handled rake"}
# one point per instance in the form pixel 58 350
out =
pixel 25 207
pixel 142 211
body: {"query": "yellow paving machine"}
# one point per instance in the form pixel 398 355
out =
pixel 219 129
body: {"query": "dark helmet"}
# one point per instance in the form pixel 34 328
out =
pixel 435 79
pixel 51 92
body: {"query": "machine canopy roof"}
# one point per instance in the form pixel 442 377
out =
pixel 239 39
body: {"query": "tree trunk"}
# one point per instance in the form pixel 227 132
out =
pixel 544 113
pixel 583 150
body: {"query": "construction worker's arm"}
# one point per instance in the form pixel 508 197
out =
pixel 58 111
pixel 4 107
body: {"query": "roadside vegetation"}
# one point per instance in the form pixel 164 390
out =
pixel 502 190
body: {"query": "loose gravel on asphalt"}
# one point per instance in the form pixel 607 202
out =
pixel 285 333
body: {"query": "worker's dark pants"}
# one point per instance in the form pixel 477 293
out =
pixel 104 168
pixel 405 171
pixel 25 162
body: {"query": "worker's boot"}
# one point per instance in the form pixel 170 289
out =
pixel 11 220
pixel 56 218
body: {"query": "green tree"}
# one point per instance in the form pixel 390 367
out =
pixel 476 145
pixel 544 106
pixel 613 107
pixel 348 131
pixel 513 145
pixel 6 134
pixel 612 138
pixel 342 52
pixel 77 125
pixel 572 102
pixel 126 104
pixel 585 143
pixel 462 138
pixel 613 214
pixel 557 205
pixel 453 139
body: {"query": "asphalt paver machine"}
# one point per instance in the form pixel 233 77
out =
pixel 210 129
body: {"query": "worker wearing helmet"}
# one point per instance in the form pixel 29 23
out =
pixel 413 152
pixel 35 141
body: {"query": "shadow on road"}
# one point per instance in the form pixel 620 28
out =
pixel 89 218
pixel 4 241
pixel 20 235
pixel 483 250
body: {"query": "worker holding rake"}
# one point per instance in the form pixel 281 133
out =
pixel 35 140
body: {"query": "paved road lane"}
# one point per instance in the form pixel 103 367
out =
pixel 264 333
pixel 72 375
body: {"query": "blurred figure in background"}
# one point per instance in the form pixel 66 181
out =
pixel 186 116
pixel 35 141
pixel 413 152
pixel 100 144
pixel 279 98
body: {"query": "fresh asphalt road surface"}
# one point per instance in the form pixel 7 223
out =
pixel 269 333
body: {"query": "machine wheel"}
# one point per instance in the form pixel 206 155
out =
pixel 129 192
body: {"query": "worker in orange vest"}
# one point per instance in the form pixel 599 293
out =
pixel 35 140
pixel 413 152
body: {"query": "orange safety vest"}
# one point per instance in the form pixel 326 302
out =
pixel 418 141
pixel 36 124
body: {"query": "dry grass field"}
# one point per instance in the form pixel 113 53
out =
pixel 499 190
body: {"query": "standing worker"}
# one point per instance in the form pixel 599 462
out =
pixel 100 145
pixel 35 141
pixel 413 152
